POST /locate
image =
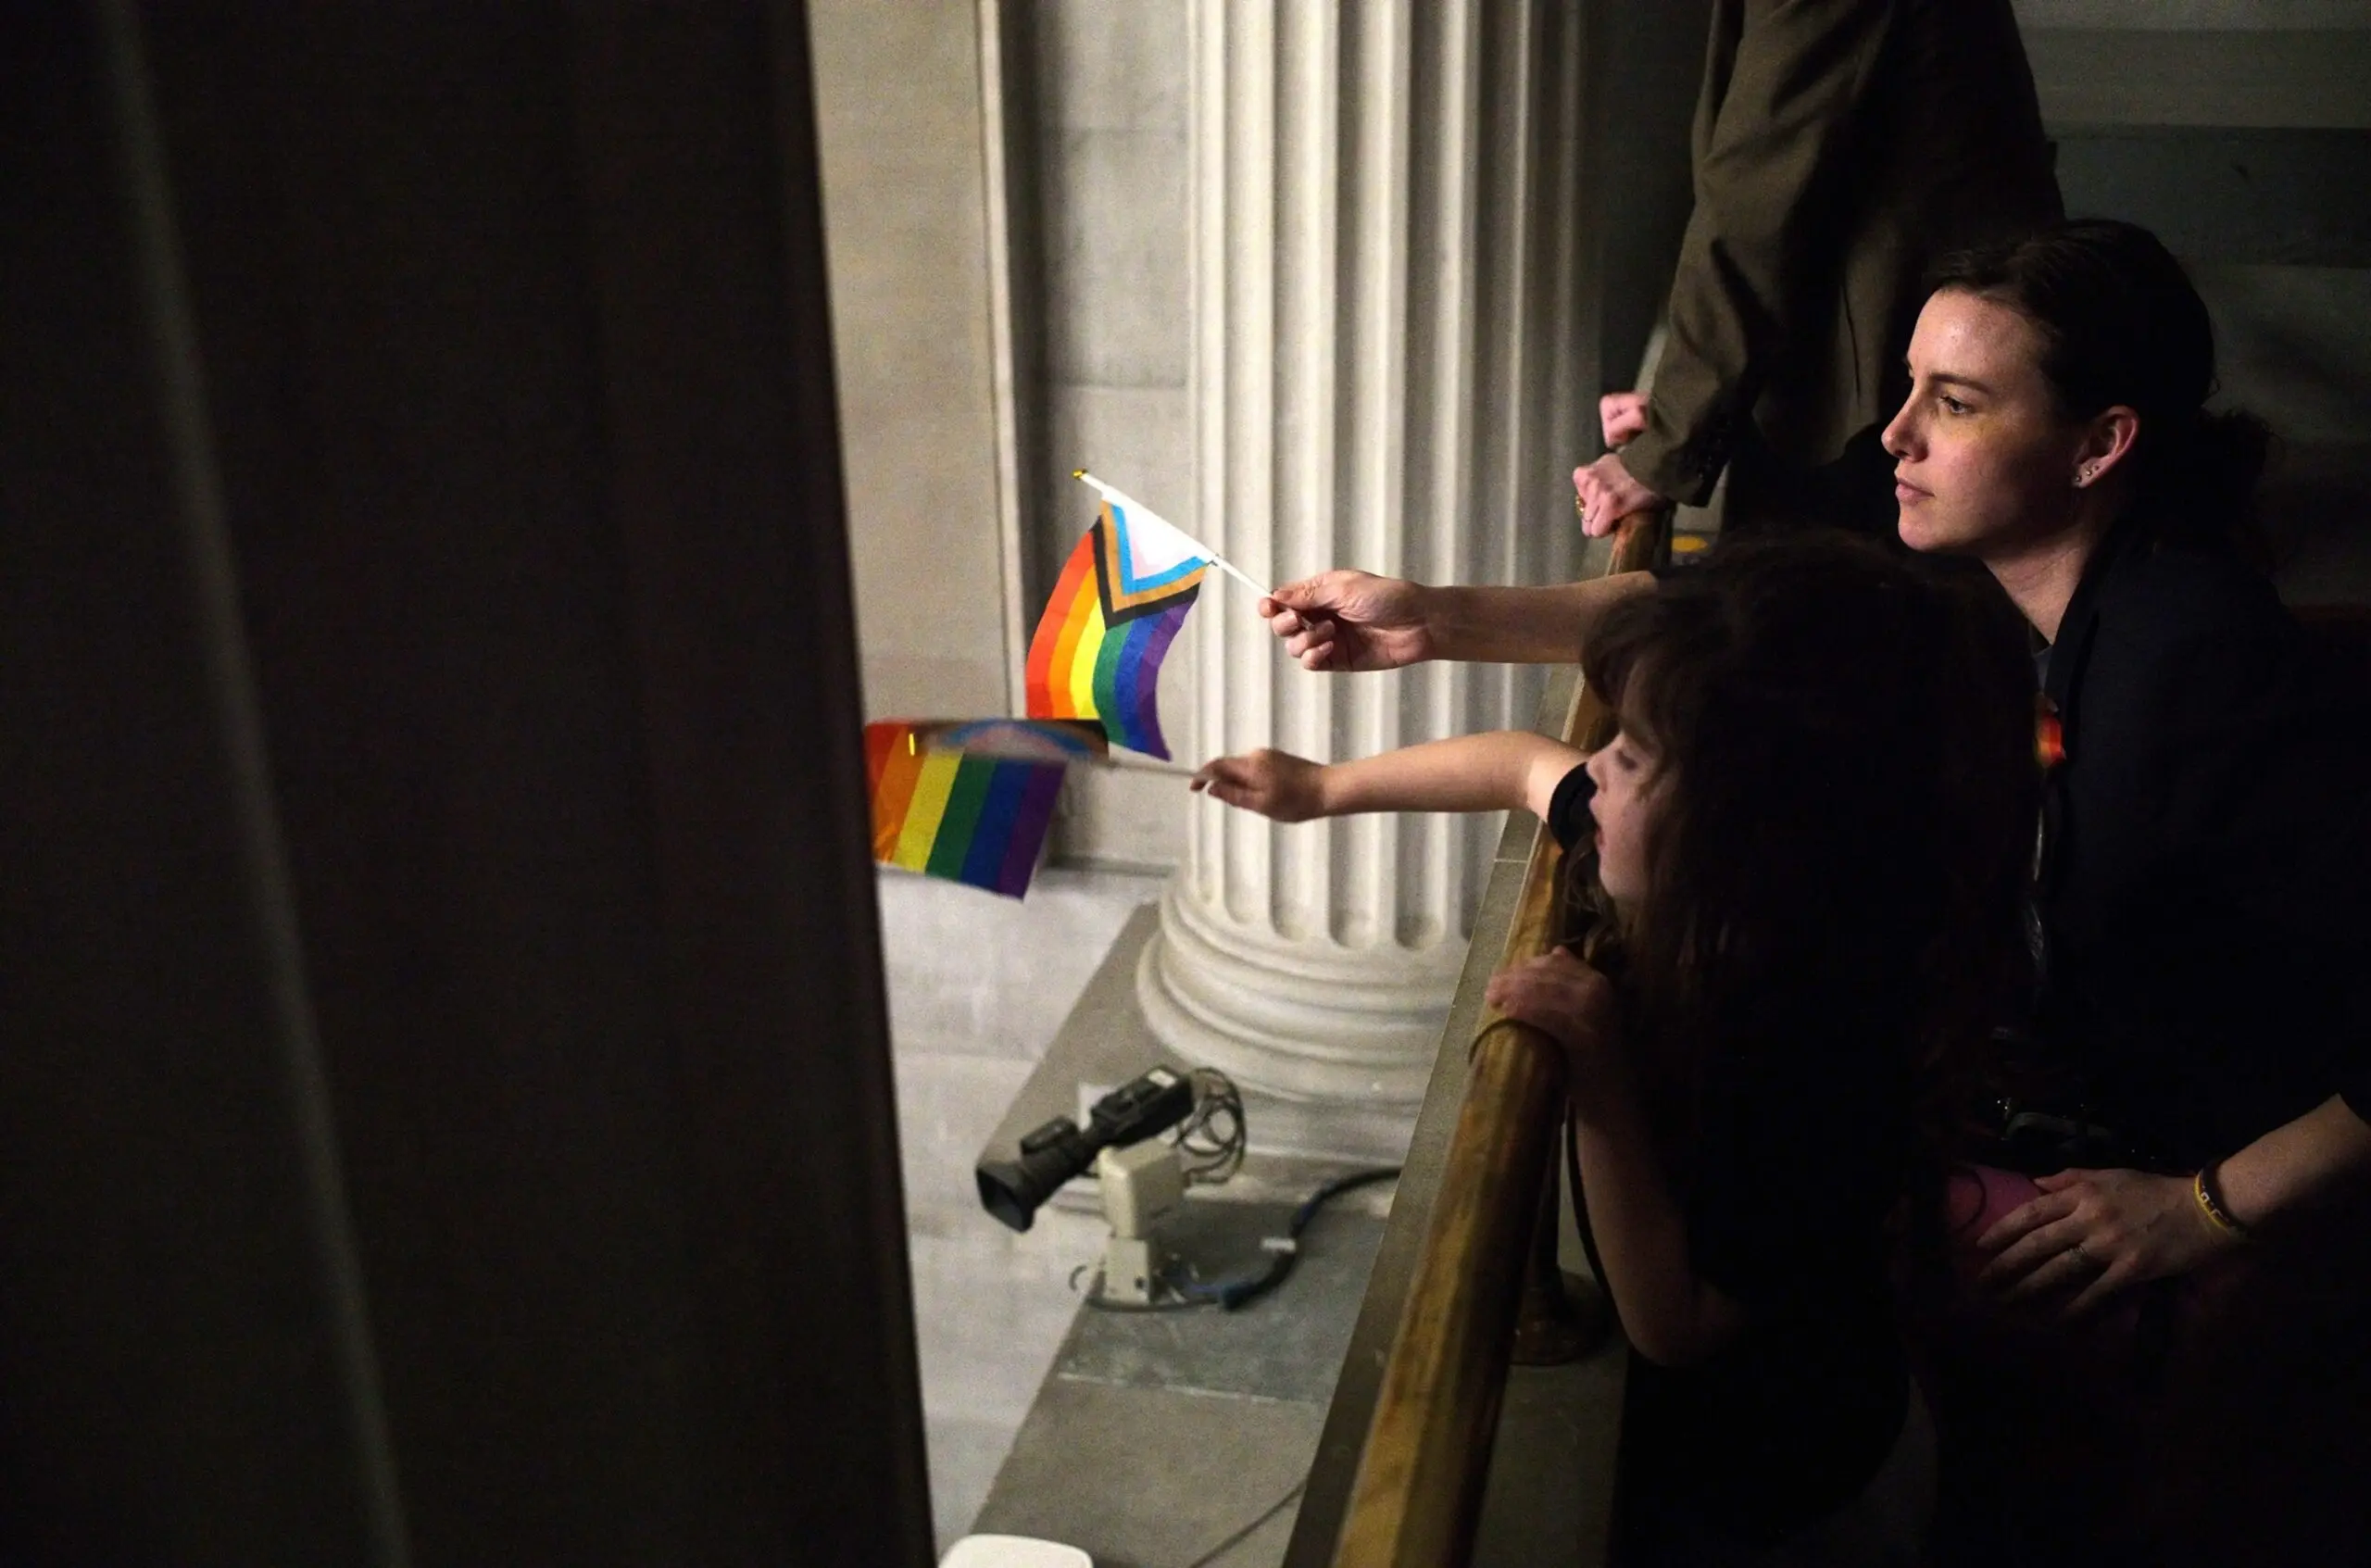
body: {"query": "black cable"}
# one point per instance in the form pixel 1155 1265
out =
pixel 1214 1134
pixel 1228 1295
pixel 1337 1187
pixel 1580 1206
pixel 1240 1536
pixel 1284 1251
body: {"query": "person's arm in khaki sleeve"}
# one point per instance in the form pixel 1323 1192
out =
pixel 1801 70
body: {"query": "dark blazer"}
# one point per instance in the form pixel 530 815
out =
pixel 2205 881
pixel 1841 147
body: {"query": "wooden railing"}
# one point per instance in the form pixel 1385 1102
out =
pixel 1416 1476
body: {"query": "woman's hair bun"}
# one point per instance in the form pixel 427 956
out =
pixel 2201 481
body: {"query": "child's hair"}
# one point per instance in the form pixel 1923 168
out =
pixel 1843 803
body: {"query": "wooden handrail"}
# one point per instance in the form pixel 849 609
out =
pixel 1419 1485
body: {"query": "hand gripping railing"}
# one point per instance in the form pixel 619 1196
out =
pixel 1418 1481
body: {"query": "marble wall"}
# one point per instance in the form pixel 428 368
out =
pixel 901 127
pixel 1111 116
pixel 1111 161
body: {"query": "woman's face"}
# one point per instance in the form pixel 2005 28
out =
pixel 1983 464
pixel 1625 772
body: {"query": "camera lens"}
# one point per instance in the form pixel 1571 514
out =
pixel 1004 1193
pixel 1011 1189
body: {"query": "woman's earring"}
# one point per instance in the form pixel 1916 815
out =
pixel 2089 472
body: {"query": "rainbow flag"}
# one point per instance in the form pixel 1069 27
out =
pixel 1116 608
pixel 971 802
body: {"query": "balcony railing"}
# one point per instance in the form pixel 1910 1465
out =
pixel 1404 1470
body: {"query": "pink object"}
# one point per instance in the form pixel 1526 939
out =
pixel 1980 1196
pixel 1977 1198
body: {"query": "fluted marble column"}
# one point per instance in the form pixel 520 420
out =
pixel 1384 377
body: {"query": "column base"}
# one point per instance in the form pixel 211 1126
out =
pixel 1333 1046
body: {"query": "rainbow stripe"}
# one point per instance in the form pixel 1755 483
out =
pixel 1097 649
pixel 968 818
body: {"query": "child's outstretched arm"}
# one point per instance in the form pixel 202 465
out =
pixel 1487 772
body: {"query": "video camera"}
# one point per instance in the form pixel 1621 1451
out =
pixel 1052 1154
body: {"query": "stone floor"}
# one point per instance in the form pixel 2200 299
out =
pixel 978 987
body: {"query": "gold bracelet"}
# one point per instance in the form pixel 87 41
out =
pixel 2212 1207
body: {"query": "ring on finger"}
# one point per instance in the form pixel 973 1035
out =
pixel 2080 1256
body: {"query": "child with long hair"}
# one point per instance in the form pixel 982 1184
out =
pixel 1815 824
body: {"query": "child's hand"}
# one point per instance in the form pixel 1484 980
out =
pixel 1566 1000
pixel 1275 783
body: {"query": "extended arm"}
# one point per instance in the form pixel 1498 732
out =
pixel 1494 771
pixel 1545 626
pixel 1341 620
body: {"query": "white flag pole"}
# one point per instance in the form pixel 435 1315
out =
pixel 1229 567
pixel 1115 494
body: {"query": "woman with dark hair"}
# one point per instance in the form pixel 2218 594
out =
pixel 1814 825
pixel 2198 1071
pixel 2199 881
